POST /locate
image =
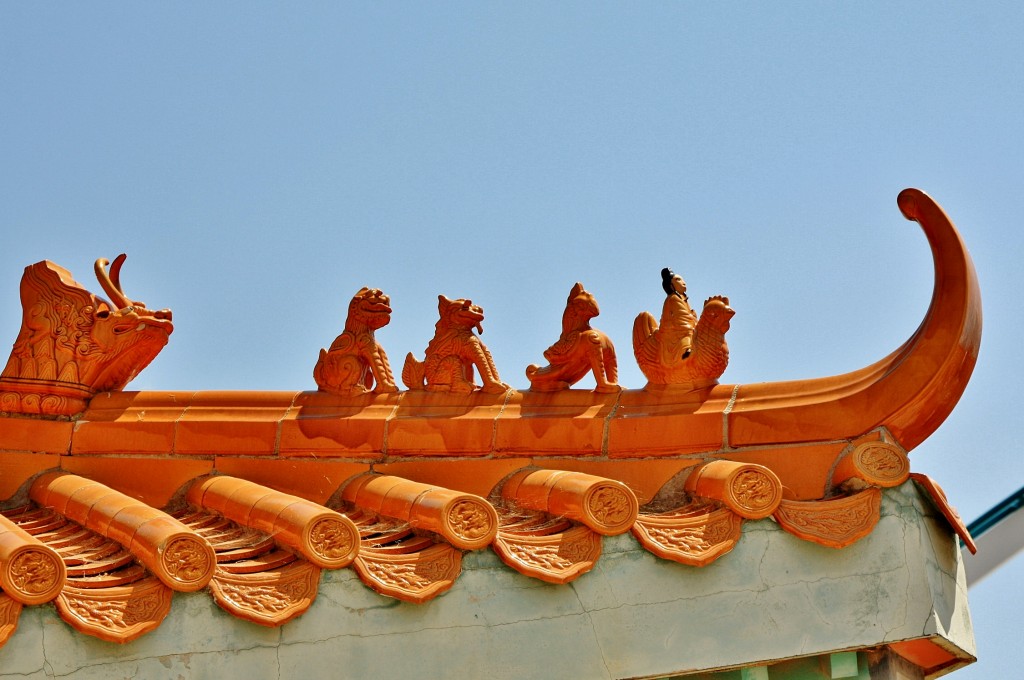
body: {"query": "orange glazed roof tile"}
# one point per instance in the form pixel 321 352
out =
pixel 127 495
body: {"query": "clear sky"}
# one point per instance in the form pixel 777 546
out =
pixel 261 162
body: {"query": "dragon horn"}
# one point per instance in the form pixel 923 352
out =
pixel 110 284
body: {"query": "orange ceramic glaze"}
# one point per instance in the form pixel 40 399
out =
pixel 314 480
pixel 911 391
pixel 321 424
pixel 179 557
pixel 81 500
pixel 464 520
pixel 938 497
pixel 130 422
pixel 232 422
pixel 54 489
pixel 473 476
pixel 453 353
pixel 682 350
pixel 580 350
pixel 213 493
pixel 901 393
pixel 119 614
pixel 803 469
pixel 751 491
pixel 356 363
pixel 125 522
pixel 31 435
pixel 293 588
pixel 241 501
pixel 30 572
pixel 149 479
pixel 10 610
pixel 557 554
pixel 15 468
pixel 695 534
pixel 74 344
pixel 700 456
pixel 835 522
pixel 876 463
pixel 645 478
pixel 556 423
pixel 326 538
pixel 442 424
pixel 669 421
pixel 605 505
pixel 925 653
pixel 263 517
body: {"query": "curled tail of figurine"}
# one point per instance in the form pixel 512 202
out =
pixel 412 373
pixel 644 327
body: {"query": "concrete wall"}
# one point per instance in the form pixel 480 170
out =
pixel 634 615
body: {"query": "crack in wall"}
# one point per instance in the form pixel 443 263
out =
pixel 593 629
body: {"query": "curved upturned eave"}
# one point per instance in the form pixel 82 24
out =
pixel 911 391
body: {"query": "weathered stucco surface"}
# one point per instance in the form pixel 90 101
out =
pixel 634 615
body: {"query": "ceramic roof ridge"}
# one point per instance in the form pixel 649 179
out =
pixel 909 392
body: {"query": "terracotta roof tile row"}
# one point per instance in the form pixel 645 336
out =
pixel 111 561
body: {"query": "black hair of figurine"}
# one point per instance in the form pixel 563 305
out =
pixel 666 281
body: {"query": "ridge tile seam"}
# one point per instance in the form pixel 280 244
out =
pixel 606 430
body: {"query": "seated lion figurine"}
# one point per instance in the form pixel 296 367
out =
pixel 356 363
pixel 579 349
pixel 453 352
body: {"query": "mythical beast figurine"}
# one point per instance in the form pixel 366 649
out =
pixel 453 352
pixel 683 350
pixel 74 344
pixel 356 361
pixel 579 349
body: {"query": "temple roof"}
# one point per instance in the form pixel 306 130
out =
pixel 116 499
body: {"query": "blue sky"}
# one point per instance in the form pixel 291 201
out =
pixel 259 163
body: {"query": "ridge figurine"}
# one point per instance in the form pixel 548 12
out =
pixel 579 349
pixel 356 363
pixel 683 350
pixel 453 352
pixel 73 344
